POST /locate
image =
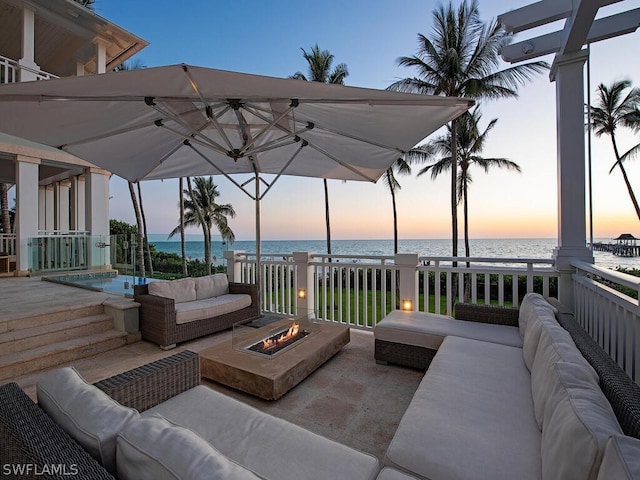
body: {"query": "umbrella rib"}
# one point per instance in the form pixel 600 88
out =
pixel 211 144
pixel 162 159
pixel 216 167
pixel 363 140
pixel 294 104
pixel 108 134
pixel 286 165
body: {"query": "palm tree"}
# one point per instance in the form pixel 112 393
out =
pixel 616 109
pixel 470 143
pixel 181 226
pixel 87 3
pixel 401 166
pixel 461 59
pixel 140 240
pixel 320 63
pixel 4 206
pixel 202 210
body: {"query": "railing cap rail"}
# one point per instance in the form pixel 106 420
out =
pixel 622 278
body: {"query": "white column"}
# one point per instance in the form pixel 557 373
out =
pixel 42 207
pixel 234 269
pixel 407 264
pixel 28 46
pixel 101 58
pixel 305 293
pixel 49 210
pixel 79 69
pixel 97 215
pixel 26 208
pixel 63 209
pixel 572 230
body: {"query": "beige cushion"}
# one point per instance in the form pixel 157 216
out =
pixel 85 412
pixel 529 309
pixel 555 345
pixel 270 447
pixel 540 316
pixel 211 286
pixel 471 417
pixel 182 290
pixel 576 430
pixel 428 330
pixel 211 307
pixel 153 448
pixel 388 473
pixel 621 459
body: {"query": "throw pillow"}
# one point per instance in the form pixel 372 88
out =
pixel 86 413
pixel 528 309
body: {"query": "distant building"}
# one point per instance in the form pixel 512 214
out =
pixel 62 202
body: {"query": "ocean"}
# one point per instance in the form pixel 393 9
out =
pixel 541 248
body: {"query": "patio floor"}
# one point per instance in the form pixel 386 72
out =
pixel 350 398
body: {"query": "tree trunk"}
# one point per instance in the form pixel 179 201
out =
pixel 326 211
pixel 4 202
pixel 140 241
pixel 626 178
pixel 454 188
pixel 182 236
pixel 395 214
pixel 467 249
pixel 147 249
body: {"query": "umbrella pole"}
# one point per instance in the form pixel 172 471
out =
pixel 258 249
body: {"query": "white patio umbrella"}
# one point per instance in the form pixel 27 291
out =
pixel 181 120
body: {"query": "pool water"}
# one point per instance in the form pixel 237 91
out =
pixel 102 282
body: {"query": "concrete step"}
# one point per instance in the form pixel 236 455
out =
pixel 29 338
pixel 61 315
pixel 47 356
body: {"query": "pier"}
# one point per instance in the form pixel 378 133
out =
pixel 625 246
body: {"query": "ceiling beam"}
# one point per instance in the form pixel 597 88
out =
pixel 602 29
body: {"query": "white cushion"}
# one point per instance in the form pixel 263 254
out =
pixel 388 473
pixel 153 448
pixel 529 309
pixel 428 330
pixel 182 290
pixel 555 345
pixel 270 447
pixel 471 417
pixel 211 286
pixel 211 307
pixel 85 412
pixel 576 430
pixel 621 459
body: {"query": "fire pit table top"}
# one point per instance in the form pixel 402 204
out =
pixel 266 377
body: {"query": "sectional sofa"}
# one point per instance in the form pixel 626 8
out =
pixel 156 422
pixel 509 394
pixel 179 310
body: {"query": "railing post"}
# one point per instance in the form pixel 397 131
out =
pixel 234 269
pixel 304 291
pixel 407 265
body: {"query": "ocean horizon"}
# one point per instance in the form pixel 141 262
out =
pixel 538 248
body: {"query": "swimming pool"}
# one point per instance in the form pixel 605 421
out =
pixel 109 282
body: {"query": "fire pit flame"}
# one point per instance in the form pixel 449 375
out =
pixel 280 340
pixel 270 343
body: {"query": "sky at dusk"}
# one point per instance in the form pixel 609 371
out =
pixel 266 38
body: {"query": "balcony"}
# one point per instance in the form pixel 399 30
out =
pixel 10 71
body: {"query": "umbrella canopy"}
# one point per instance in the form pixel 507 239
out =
pixel 180 120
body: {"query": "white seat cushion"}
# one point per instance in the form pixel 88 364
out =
pixel 576 430
pixel 471 417
pixel 211 286
pixel 531 305
pixel 153 448
pixel 182 290
pixel 86 413
pixel 621 459
pixel 268 446
pixel 211 307
pixel 428 330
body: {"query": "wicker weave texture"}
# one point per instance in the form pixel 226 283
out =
pixel 147 386
pixel 403 355
pixel 486 314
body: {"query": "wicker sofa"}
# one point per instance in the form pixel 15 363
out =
pixel 184 430
pixel 507 394
pixel 179 310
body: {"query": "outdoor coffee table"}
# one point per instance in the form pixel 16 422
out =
pixel 233 364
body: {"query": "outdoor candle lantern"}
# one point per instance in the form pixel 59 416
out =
pixel 302 293
pixel 407 305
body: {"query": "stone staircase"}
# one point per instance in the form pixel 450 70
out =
pixel 45 340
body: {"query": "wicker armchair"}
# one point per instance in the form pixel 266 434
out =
pixel 157 317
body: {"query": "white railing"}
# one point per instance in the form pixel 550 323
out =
pixel 9 70
pixel 360 290
pixel 607 307
pixel 489 281
pixel 8 243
